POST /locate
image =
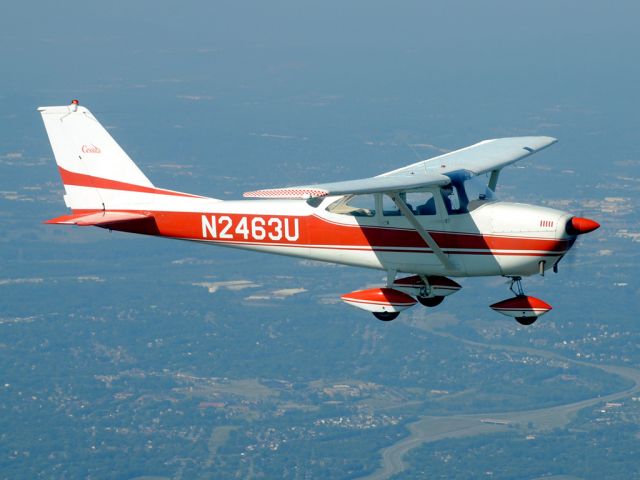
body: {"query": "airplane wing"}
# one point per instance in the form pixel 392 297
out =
pixel 482 157
pixel 486 156
pixel 395 183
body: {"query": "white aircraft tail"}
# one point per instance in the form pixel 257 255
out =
pixel 93 167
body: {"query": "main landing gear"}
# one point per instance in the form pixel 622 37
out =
pixel 524 308
pixel 386 303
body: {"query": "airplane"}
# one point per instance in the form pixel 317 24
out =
pixel 431 220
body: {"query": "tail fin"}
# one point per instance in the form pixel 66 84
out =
pixel 92 165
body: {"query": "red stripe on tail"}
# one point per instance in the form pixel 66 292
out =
pixel 82 180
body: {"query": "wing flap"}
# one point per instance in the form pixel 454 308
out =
pixel 97 219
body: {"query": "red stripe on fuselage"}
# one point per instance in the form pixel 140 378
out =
pixel 83 180
pixel 314 232
pixel 326 232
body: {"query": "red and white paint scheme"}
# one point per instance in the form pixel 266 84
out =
pixel 433 219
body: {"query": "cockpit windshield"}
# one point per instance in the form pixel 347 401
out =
pixel 465 194
pixel 477 189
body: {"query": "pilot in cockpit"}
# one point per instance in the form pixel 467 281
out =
pixel 446 192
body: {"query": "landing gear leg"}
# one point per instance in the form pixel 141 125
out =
pixel 391 277
pixel 517 283
pixel 424 297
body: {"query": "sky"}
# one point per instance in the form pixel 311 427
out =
pixel 456 71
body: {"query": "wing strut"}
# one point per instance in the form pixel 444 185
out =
pixel 493 180
pixel 402 206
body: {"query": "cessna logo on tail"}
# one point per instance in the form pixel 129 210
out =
pixel 90 149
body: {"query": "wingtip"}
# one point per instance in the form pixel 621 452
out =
pixel 530 143
pixel 535 144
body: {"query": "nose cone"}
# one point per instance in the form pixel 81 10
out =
pixel 579 225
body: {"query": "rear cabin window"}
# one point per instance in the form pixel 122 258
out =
pixel 355 205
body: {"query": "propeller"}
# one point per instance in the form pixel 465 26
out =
pixel 581 225
pixel 575 227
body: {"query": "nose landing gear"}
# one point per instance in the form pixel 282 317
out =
pixel 517 283
pixel 524 308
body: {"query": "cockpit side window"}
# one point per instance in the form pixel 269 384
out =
pixel 420 203
pixel 478 192
pixel 454 198
pixel 464 194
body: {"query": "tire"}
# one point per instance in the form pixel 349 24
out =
pixel 386 316
pixel 430 301
pixel 526 320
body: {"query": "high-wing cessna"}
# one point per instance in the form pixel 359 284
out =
pixel 431 220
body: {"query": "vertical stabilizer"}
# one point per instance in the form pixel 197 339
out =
pixel 90 162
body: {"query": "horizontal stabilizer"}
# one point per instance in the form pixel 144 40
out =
pixel 97 219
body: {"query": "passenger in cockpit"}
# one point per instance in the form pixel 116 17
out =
pixel 427 208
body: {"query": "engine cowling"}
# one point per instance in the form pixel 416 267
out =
pixel 379 300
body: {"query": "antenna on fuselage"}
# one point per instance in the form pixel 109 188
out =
pixel 414 151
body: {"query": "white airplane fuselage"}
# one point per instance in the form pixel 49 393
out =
pixel 494 238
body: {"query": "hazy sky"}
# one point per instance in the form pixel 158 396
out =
pixel 538 46
pixel 457 71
